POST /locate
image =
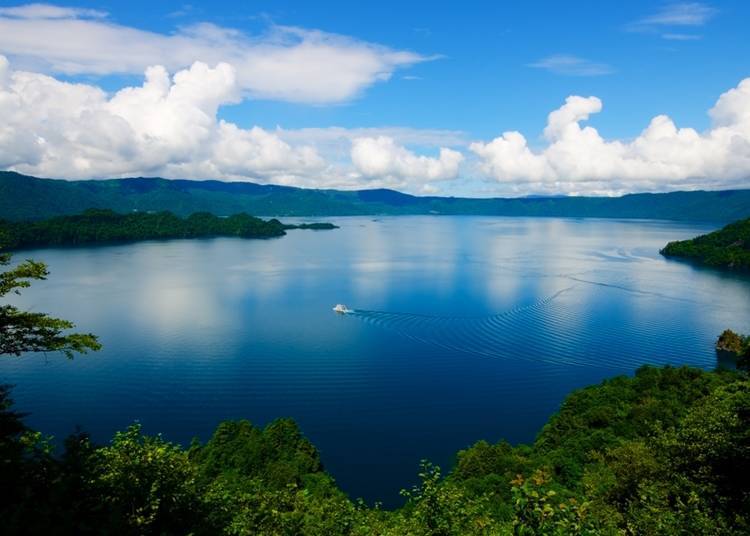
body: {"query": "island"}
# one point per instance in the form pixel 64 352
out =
pixel 106 226
pixel 317 226
pixel 728 247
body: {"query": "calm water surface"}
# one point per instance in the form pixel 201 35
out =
pixel 464 328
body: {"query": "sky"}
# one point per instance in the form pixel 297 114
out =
pixel 453 98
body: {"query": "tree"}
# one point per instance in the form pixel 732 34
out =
pixel 22 331
pixel 737 346
pixel 731 342
pixel 146 483
pixel 539 510
pixel 441 508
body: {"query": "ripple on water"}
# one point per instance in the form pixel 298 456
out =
pixel 540 332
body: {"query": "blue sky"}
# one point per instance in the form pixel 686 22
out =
pixel 476 70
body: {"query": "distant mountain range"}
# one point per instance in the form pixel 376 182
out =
pixel 23 197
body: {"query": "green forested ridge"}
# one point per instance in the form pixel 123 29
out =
pixel 726 248
pixel 23 198
pixel 101 225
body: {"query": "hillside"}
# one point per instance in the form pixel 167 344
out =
pixel 726 248
pixel 23 197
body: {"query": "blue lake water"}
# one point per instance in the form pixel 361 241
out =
pixel 464 328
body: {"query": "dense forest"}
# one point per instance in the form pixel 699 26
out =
pixel 726 248
pixel 103 226
pixel 23 198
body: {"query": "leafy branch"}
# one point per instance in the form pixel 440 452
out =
pixel 23 331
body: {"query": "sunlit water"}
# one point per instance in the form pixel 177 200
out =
pixel 463 328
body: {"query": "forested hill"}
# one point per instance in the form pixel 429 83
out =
pixel 23 197
pixel 726 248
pixel 105 226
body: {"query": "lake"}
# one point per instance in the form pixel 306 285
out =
pixel 463 328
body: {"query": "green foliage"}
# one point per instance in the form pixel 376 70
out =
pixel 268 480
pixel 711 447
pixel 437 508
pixel 488 470
pixel 540 510
pixel 729 341
pixel 690 478
pixel 254 508
pixel 277 455
pixel 596 418
pixel 726 248
pixel 23 331
pixel 147 484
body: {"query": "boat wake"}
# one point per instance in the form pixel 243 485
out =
pixel 493 336
pixel 549 330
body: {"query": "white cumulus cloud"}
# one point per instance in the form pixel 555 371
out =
pixel 286 63
pixel 577 159
pixel 383 159
pixel 167 126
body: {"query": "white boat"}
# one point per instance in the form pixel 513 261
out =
pixel 341 308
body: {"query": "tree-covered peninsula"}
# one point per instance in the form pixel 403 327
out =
pixel 106 226
pixel 728 247
pixel 664 452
